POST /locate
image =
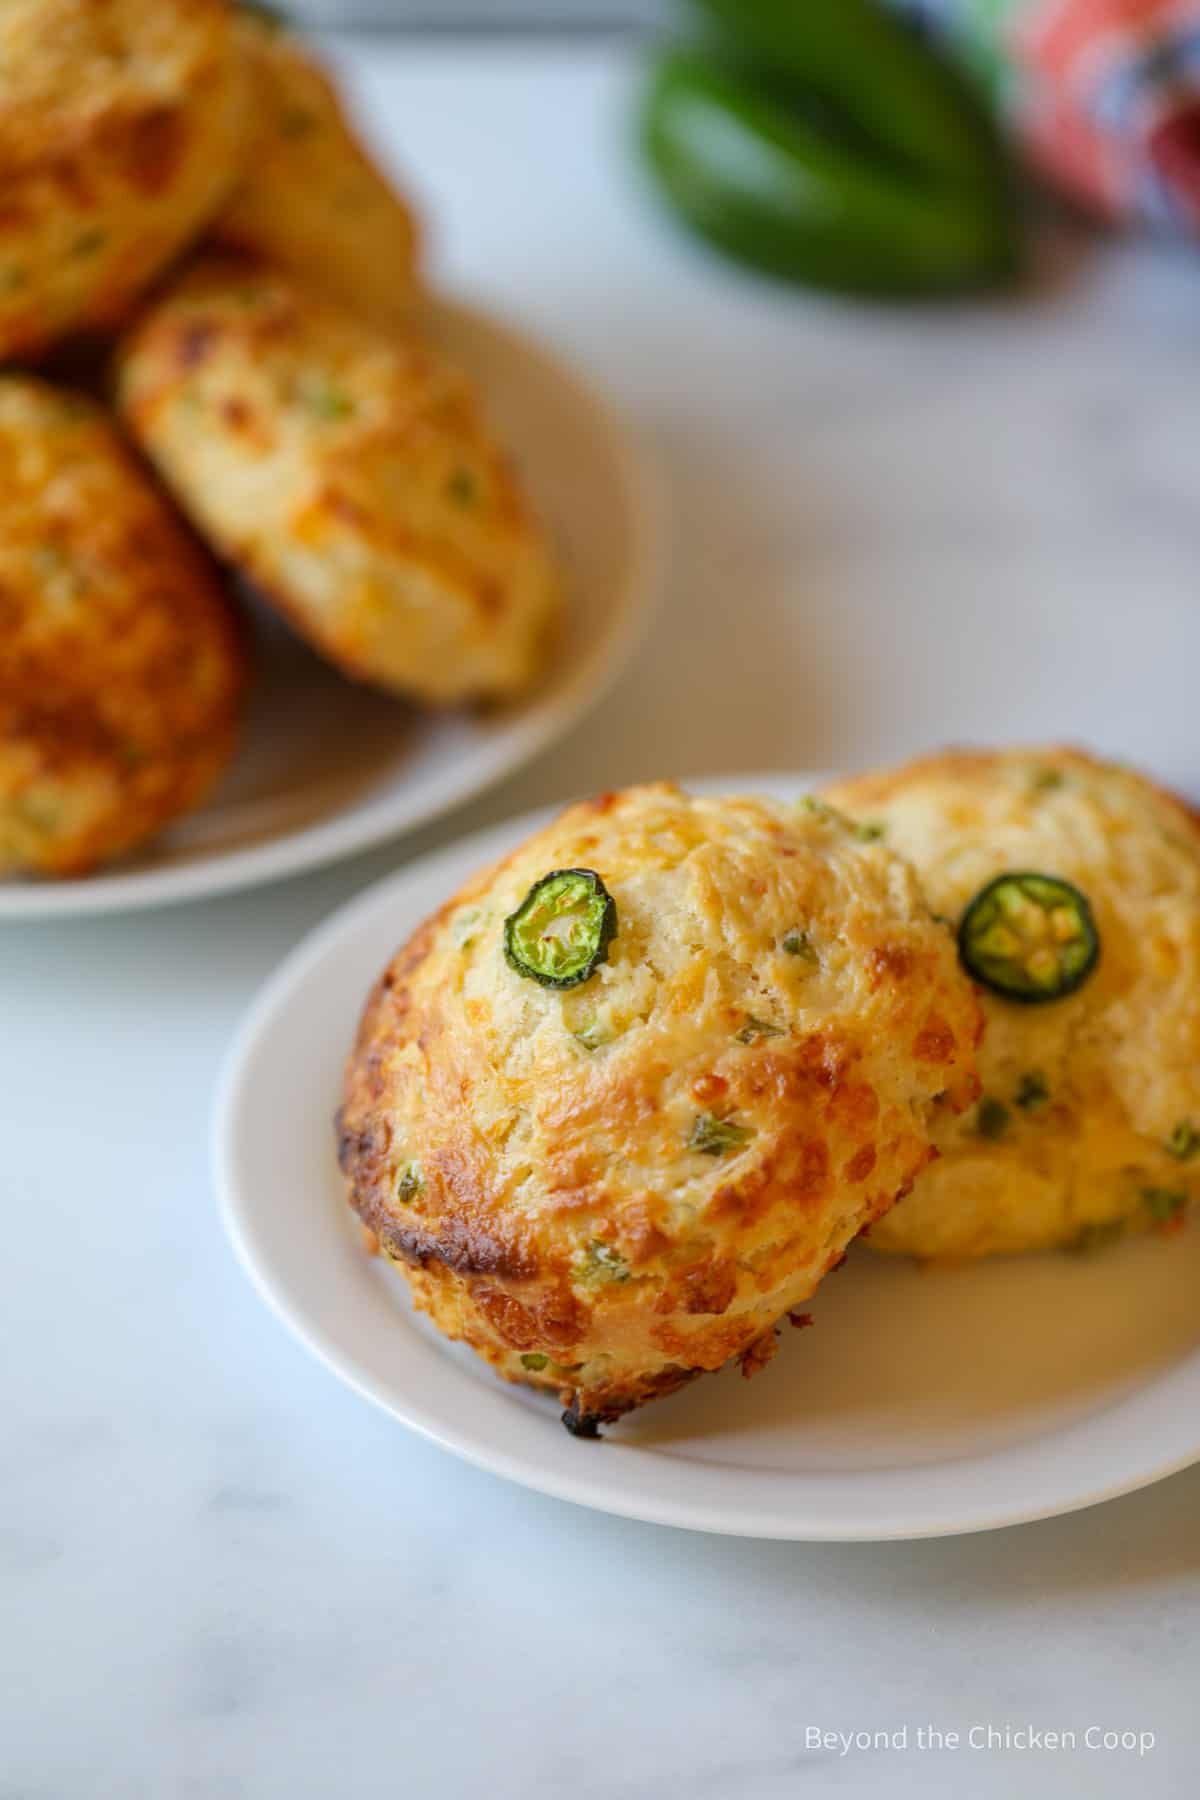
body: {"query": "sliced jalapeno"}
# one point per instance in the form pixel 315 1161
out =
pixel 562 929
pixel 1029 937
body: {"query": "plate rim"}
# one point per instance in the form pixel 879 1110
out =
pixel 339 928
pixel 535 728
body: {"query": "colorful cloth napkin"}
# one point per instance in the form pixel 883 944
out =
pixel 1103 94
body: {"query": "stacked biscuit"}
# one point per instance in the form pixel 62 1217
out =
pixel 1089 1122
pixel 618 1108
pixel 187 215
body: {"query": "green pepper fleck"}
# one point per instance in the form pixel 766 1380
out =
pixel 715 1137
pixel 560 933
pixel 821 809
pixel 1032 1091
pixel 1163 1204
pixel 88 242
pixel 466 927
pixel 754 1029
pixel 1097 1236
pixel 53 566
pixel 991 1120
pixel 534 1360
pixel 1029 937
pixel 798 943
pixel 463 488
pixel 40 809
pixel 591 1034
pixel 869 831
pixel 1184 1141
pixel 600 1262
pixel 409 1182
pixel 298 122
pixel 326 402
pixel 1046 781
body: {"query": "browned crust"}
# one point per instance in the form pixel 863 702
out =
pixel 507 1284
pixel 815 1078
pixel 104 162
pixel 411 409
pixel 143 687
pixel 698 1293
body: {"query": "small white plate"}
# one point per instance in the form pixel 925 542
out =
pixel 925 1402
pixel 326 768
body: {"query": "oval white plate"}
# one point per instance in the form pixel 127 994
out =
pixel 327 768
pixel 925 1402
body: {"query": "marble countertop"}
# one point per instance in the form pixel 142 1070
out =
pixel 222 1576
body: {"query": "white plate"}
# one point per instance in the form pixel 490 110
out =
pixel 326 768
pixel 924 1403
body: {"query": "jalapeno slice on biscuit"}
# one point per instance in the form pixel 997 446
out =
pixel 1029 937
pixel 561 931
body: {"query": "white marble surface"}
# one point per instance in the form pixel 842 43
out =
pixel 222 1577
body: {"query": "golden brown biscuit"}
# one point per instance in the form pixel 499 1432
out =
pixel 311 200
pixel 609 1188
pixel 350 476
pixel 1090 1120
pixel 121 663
pixel 121 132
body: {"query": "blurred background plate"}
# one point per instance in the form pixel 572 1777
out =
pixel 928 1401
pixel 326 768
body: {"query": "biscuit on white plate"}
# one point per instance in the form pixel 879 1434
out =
pixel 614 1124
